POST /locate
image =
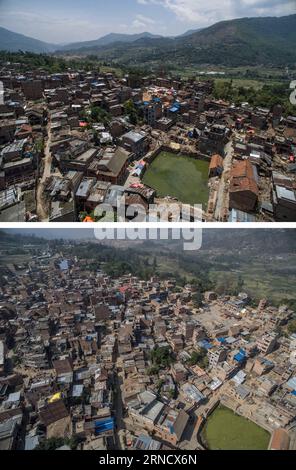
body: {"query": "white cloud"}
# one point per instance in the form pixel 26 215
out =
pixel 145 20
pixel 202 13
pixel 49 28
pixel 141 23
pixel 62 29
pixel 186 14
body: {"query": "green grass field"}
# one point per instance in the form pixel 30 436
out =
pixel 169 265
pixel 179 176
pixel 225 430
pixel 247 76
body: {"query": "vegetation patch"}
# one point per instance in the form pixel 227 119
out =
pixel 179 176
pixel 224 430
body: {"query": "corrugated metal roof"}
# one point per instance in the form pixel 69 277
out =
pixel 292 383
pixel 284 193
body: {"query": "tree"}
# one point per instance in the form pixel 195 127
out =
pixel 161 357
pixel 72 442
pixel 292 327
pixel 52 443
pixel 199 358
pixel 153 370
pixel 197 299
pixel 172 393
pixel 131 111
pixel 98 114
pixel 240 283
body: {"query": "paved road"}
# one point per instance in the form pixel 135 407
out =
pixel 189 438
pixel 48 156
pixel 223 196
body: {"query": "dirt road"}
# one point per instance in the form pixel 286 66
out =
pixel 42 211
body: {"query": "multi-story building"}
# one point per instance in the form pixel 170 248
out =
pixel 267 343
pixel 2 358
pixel 136 143
pixel 32 89
pixel 216 355
pixel 188 330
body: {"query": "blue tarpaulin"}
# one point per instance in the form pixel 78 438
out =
pixel 221 340
pixel 205 344
pixel 240 356
pixel 104 425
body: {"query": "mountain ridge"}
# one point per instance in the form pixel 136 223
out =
pixel 110 38
pixel 238 42
pixel 13 42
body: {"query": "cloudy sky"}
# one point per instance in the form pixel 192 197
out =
pixel 62 21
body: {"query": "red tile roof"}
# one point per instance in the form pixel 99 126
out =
pixel 216 161
pixel 280 440
pixel 242 177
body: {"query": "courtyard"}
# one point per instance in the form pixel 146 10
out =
pixel 224 430
pixel 179 176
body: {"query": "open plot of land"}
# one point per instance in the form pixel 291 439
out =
pixel 212 317
pixel 255 76
pixel 167 265
pixel 179 176
pixel 13 256
pixel 225 430
pixel 274 279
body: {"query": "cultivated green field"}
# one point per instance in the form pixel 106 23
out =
pixel 179 176
pixel 245 82
pixel 225 430
pixel 274 280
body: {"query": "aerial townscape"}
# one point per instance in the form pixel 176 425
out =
pixel 77 132
pixel 147 231
pixel 94 357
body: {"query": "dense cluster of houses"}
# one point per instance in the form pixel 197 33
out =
pixel 47 140
pixel 75 358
